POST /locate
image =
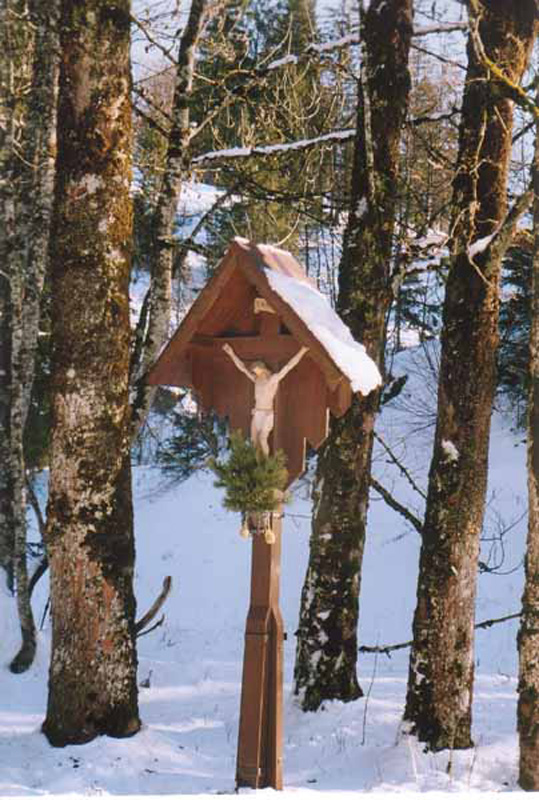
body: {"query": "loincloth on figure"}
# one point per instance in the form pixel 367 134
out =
pixel 260 417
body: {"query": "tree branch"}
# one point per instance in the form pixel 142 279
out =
pixel 36 508
pixel 43 565
pixel 153 628
pixel 390 648
pixel 153 41
pixel 273 149
pixel 400 466
pixel 442 27
pixel 396 506
pixel 506 232
pixel 156 606
pixel 39 571
pixel 151 122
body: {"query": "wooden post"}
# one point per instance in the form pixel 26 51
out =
pixel 260 762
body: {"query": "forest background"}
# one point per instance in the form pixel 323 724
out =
pixel 399 168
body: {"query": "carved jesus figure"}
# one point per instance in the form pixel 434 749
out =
pixel 266 384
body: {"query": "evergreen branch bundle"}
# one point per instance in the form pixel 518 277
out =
pixel 253 481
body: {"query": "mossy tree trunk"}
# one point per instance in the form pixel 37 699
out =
pixel 440 684
pixel 28 67
pixel 327 649
pixel 528 639
pixel 92 682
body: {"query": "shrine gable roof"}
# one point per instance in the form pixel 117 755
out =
pixel 249 271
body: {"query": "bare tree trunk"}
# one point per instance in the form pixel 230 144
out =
pixel 6 523
pixel 18 42
pixel 528 639
pixel 26 296
pixel 326 656
pixel 40 155
pixel 92 682
pixel 26 654
pixel 176 167
pixel 440 683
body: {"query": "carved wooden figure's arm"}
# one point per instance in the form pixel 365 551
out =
pixel 292 363
pixel 238 362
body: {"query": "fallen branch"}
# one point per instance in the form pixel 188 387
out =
pixel 390 648
pixel 154 610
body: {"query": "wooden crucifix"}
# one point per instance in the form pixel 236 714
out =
pixel 262 347
pixel 266 383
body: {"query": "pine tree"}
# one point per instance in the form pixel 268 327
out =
pixel 513 351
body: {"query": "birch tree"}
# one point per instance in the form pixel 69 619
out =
pixel 440 683
pixel 28 70
pixel 89 534
pixel 327 648
pixel 153 327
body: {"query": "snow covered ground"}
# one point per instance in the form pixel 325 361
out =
pixel 192 664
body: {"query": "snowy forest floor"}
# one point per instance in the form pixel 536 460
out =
pixel 193 662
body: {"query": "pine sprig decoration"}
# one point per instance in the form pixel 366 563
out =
pixel 253 481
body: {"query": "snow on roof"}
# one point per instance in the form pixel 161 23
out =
pixel 317 314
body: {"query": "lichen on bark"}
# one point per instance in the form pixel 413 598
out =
pixel 440 683
pixel 92 684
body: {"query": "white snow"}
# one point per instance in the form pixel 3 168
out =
pixel 245 152
pixel 196 198
pixel 317 314
pixel 282 62
pixel 440 27
pixel 433 238
pixel 361 207
pixel 334 44
pixel 90 183
pixel 450 451
pixel 480 245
